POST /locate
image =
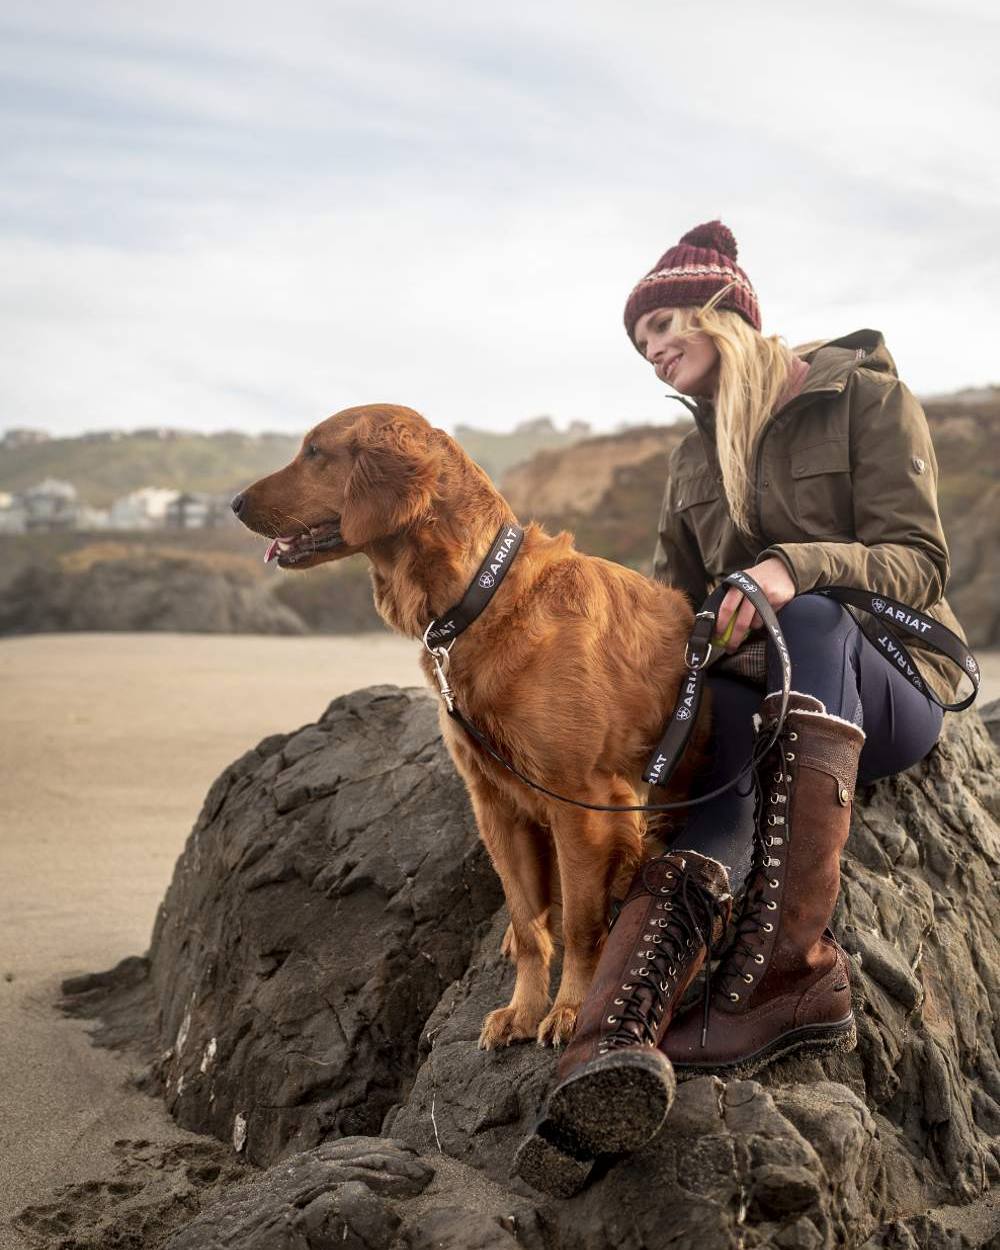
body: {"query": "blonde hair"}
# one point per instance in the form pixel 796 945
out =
pixel 753 374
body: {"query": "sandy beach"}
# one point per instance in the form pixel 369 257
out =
pixel 109 743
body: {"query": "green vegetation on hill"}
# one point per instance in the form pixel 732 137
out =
pixel 103 467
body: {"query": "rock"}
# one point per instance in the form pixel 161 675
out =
pixel 332 1196
pixel 991 719
pixel 330 944
pixel 133 590
pixel 813 1153
pixel 330 891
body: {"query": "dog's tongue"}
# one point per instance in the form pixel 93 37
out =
pixel 272 550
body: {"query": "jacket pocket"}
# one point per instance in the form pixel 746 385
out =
pixel 822 489
pixel 698 502
pixel 695 489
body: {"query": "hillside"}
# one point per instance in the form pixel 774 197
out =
pixel 105 466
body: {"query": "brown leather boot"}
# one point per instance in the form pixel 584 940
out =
pixel 615 1087
pixel 783 985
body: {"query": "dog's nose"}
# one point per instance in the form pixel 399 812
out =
pixel 238 503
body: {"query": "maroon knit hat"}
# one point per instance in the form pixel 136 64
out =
pixel 690 273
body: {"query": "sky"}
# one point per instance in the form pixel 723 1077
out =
pixel 248 216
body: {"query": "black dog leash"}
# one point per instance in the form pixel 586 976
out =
pixel 697 656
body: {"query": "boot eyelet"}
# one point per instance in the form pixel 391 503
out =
pixel 657 939
pixel 635 972
pixel 748 977
pixel 778 776
pixel 793 736
pixel 773 882
pixel 668 907
pixel 612 1019
pixel 626 988
pixel 790 756
pixel 672 970
pixel 619 1002
pixel 647 937
pixel 758 959
pixel 775 861
pixel 734 997
pixel 772 906
pixel 768 928
pixel 664 986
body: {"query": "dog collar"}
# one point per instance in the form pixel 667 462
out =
pixel 484 585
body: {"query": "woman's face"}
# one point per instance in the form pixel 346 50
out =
pixel 690 364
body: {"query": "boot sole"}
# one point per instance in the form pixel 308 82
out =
pixel 548 1164
pixel 818 1039
pixel 614 1103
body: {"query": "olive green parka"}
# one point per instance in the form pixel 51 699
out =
pixel 845 494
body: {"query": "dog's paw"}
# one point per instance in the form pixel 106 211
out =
pixel 557 1027
pixel 504 1026
pixel 508 947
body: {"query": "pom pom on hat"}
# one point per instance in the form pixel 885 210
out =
pixel 715 235
pixel 696 269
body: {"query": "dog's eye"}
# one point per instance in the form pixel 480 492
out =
pixel 312 450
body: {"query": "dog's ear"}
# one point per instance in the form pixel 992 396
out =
pixel 391 483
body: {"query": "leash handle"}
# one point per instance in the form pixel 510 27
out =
pixel 697 654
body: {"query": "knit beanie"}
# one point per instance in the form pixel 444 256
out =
pixel 690 273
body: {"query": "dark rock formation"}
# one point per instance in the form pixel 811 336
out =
pixel 330 944
pixel 144 591
pixel 331 889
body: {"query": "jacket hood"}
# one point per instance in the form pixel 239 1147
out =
pixel 832 361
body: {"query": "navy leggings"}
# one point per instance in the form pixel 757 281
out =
pixel 833 661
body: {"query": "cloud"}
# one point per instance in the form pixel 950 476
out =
pixel 226 216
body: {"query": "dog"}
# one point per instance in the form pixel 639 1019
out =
pixel 570 672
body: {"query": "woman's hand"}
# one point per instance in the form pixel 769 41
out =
pixel 776 583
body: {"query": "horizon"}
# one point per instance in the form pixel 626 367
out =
pixel 559 425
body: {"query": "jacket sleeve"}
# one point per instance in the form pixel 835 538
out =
pixel 900 548
pixel 677 560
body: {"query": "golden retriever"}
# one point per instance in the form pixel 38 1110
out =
pixel 570 671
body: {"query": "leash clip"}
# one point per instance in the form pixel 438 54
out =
pixel 441 660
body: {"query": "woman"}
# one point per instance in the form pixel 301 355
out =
pixel 805 469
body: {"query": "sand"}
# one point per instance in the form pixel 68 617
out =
pixel 108 743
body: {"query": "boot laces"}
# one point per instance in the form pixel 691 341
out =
pixel 692 916
pixel 753 923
